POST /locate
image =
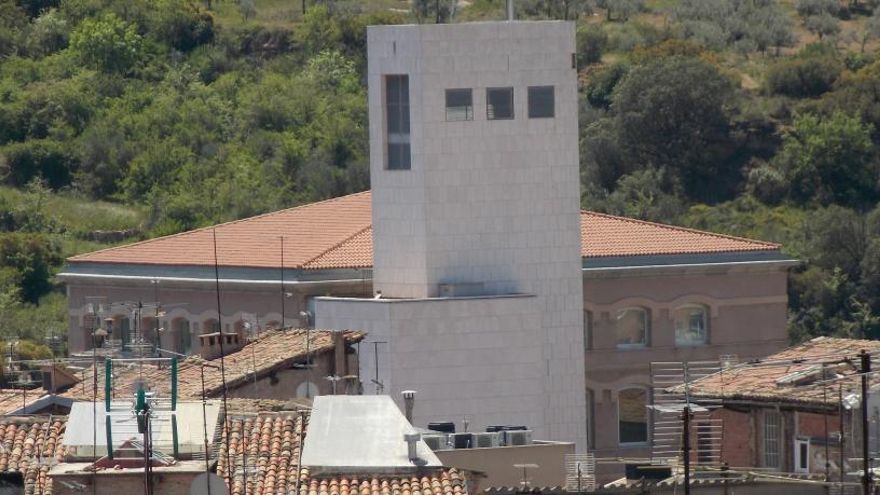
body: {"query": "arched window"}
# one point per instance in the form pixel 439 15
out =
pixel 210 325
pixel 691 325
pixel 632 327
pixel 182 335
pixel 632 416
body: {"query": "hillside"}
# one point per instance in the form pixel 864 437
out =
pixel 123 120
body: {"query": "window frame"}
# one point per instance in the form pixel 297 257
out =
pixel 675 320
pixel 801 459
pixel 639 443
pixel 401 138
pixel 552 114
pixel 771 433
pixel 490 116
pixel 588 330
pixel 468 109
pixel 646 324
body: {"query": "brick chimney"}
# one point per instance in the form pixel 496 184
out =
pixel 232 342
pixel 340 358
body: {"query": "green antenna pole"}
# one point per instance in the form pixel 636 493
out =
pixel 109 438
pixel 174 436
pixel 174 384
pixel 108 387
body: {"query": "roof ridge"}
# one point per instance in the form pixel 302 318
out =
pixel 336 246
pixel 667 226
pixel 214 227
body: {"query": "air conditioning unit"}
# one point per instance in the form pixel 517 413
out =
pixel 463 440
pixel 487 439
pixel 435 442
pixel 517 437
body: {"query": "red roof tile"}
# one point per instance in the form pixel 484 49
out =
pixel 337 233
pixel 793 375
pixel 275 349
pixel 264 451
pixel 31 446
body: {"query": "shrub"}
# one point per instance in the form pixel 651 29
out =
pixel 805 76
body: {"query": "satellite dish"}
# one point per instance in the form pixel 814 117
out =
pixel 200 485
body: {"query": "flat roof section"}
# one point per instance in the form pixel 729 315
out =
pixel 356 434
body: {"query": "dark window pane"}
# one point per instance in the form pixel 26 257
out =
pixel 541 102
pixel 397 121
pixel 398 156
pixel 499 103
pixel 632 415
pixel 459 104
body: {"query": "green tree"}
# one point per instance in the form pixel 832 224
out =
pixel 436 11
pixel 664 120
pixel 108 44
pixel 830 160
pixel 810 74
pixel 32 256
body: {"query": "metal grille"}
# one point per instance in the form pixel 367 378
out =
pixel 670 386
pixel 580 472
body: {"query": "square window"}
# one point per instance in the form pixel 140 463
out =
pixel 499 103
pixel 459 105
pixel 541 102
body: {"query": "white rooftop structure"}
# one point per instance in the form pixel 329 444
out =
pixel 351 434
pixel 86 433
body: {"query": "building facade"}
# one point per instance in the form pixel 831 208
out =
pixel 477 278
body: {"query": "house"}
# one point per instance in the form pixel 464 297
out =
pixel 38 456
pixel 279 365
pixel 786 412
pixel 276 366
pixel 469 264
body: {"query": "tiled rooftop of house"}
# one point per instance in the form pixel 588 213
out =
pixel 263 447
pixel 31 446
pixel 795 375
pixel 273 350
pixel 337 233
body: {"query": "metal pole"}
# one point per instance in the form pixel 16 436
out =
pixel 222 357
pixel 866 458
pixel 825 417
pixel 282 258
pixel 840 419
pixel 205 428
pixel 686 448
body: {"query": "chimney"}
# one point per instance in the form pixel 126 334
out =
pixel 340 358
pixel 211 345
pixel 409 400
pixel 412 439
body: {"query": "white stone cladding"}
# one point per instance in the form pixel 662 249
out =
pixel 490 205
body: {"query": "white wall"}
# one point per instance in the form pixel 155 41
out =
pixel 478 358
pixel 495 203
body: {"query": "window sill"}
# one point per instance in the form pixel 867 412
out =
pixel 630 347
pixel 634 445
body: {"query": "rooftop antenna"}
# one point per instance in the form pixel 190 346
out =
pixel 222 358
pixel 283 295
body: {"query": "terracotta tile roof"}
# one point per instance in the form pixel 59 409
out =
pixel 608 235
pixel 439 482
pixel 274 350
pixel 337 233
pixel 31 446
pixel 268 446
pixel 793 376
pixel 309 231
pixel 263 449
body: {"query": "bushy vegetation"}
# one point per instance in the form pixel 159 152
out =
pixel 149 117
